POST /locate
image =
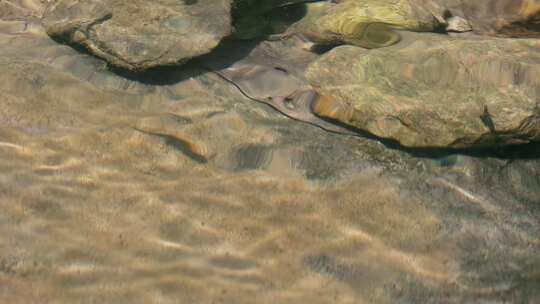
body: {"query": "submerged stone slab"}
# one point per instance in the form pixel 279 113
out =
pixel 140 34
pixel 435 91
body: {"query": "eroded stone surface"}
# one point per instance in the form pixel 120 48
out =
pixel 368 24
pixel 435 91
pixel 140 34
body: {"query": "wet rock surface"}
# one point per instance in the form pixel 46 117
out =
pixel 184 184
pixel 140 34
pixel 435 91
pixel 368 24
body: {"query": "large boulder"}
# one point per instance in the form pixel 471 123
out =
pixel 140 34
pixel 435 91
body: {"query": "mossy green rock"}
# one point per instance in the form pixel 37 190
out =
pixel 365 23
pixel 435 91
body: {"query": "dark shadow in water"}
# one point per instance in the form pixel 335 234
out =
pixel 223 56
pixel 227 53
pixel 514 152
pixel 323 48
pixel 163 75
pixel 251 157
pixel 327 265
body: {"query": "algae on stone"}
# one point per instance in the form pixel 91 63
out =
pixel 435 91
pixel 365 23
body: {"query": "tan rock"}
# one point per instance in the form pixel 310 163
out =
pixel 435 91
pixel 140 34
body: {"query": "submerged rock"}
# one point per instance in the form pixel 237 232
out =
pixel 435 91
pixel 140 34
pixel 509 18
pixel 458 24
pixel 368 24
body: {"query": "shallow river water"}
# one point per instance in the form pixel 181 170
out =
pixel 178 189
